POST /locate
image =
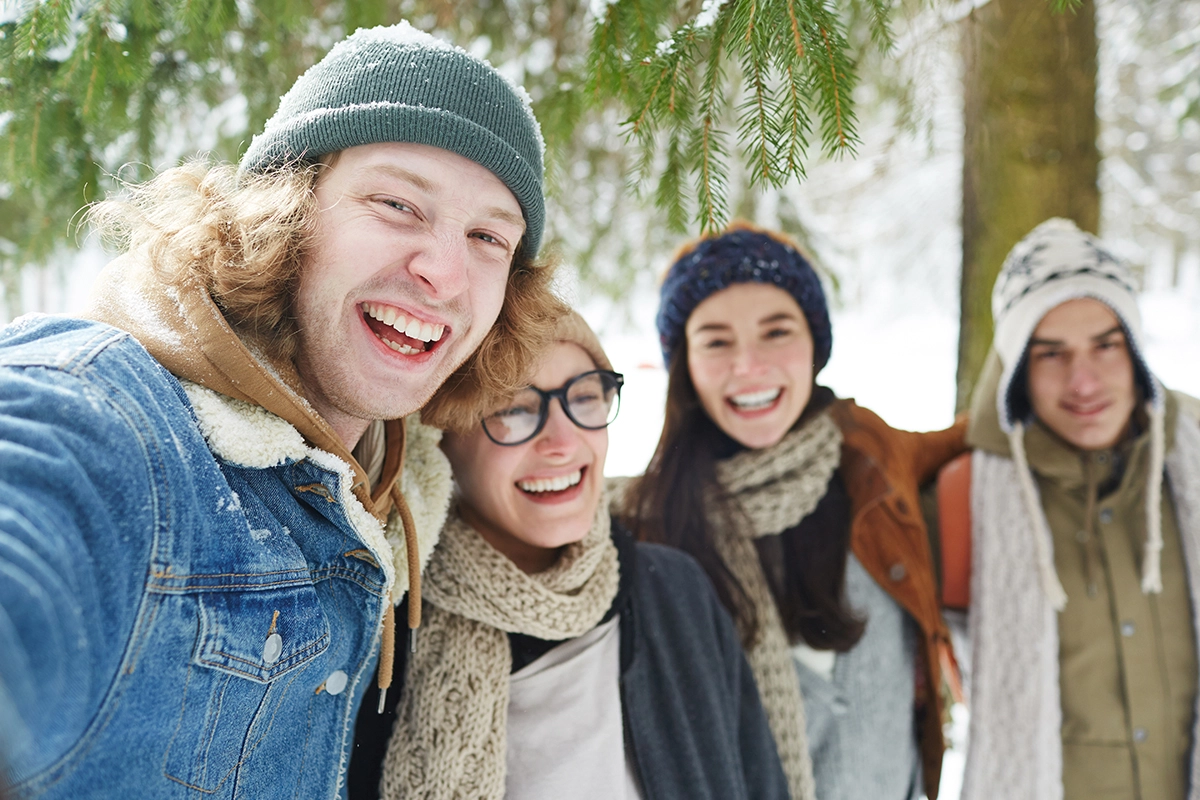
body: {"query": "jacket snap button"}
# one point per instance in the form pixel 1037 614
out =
pixel 336 682
pixel 1128 628
pixel 897 572
pixel 1140 734
pixel 902 506
pixel 1106 515
pixel 272 649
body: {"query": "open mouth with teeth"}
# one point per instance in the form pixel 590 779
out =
pixel 755 401
pixel 560 487
pixel 406 335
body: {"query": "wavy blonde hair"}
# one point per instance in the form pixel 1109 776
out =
pixel 246 238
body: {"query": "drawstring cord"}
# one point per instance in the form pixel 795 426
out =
pixel 1152 557
pixel 387 645
pixel 387 652
pixel 1051 586
pixel 1152 554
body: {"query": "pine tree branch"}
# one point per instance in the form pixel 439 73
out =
pixel 797 39
pixel 839 121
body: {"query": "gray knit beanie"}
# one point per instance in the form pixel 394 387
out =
pixel 398 84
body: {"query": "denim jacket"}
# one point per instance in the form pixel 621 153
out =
pixel 190 594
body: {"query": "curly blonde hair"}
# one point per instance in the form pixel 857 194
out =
pixel 246 237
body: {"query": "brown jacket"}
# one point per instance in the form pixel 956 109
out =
pixel 883 469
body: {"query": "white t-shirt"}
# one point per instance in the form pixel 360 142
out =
pixel 566 737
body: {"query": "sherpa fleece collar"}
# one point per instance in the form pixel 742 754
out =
pixel 249 436
pixel 182 328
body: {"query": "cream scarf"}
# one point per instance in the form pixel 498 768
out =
pixel 775 488
pixel 449 740
pixel 1016 710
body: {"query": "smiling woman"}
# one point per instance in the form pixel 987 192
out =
pixel 559 657
pixel 801 508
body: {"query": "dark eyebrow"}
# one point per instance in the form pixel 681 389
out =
pixel 1046 343
pixel 782 316
pixel 712 326
pixel 1114 329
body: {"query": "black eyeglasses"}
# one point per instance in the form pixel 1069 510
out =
pixel 590 400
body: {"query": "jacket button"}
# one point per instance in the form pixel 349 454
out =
pixel 1140 735
pixel 897 572
pixel 1106 515
pixel 272 649
pixel 336 682
pixel 1128 628
pixel 902 507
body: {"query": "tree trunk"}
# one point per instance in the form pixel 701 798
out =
pixel 1029 151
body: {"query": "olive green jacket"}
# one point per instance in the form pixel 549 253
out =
pixel 1127 660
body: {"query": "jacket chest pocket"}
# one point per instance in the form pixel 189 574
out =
pixel 252 648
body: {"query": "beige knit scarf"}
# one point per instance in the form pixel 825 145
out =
pixel 449 740
pixel 775 488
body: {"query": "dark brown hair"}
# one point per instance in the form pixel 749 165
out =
pixel 672 502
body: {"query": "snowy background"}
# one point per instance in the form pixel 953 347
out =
pixel 885 225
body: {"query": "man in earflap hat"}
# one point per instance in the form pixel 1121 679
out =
pixel 1076 545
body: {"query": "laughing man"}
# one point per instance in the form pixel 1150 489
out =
pixel 203 526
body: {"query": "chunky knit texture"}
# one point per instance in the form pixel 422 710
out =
pixel 741 255
pixel 776 487
pixel 449 740
pixel 398 84
pixel 1016 710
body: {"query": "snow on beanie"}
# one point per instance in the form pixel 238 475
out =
pixel 399 84
pixel 742 254
pixel 1054 263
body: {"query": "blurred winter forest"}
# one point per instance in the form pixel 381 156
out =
pixel 875 131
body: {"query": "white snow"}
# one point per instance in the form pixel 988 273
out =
pixel 708 13
pixel 597 9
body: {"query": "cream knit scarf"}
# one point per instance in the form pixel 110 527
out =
pixel 449 740
pixel 775 488
pixel 1016 710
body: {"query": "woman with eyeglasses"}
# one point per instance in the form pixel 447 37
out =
pixel 803 510
pixel 557 657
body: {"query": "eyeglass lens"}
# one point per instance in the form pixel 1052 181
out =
pixel 592 402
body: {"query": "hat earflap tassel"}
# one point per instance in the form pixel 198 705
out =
pixel 1152 558
pixel 1052 587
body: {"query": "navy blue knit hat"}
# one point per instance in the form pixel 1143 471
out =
pixel 741 255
